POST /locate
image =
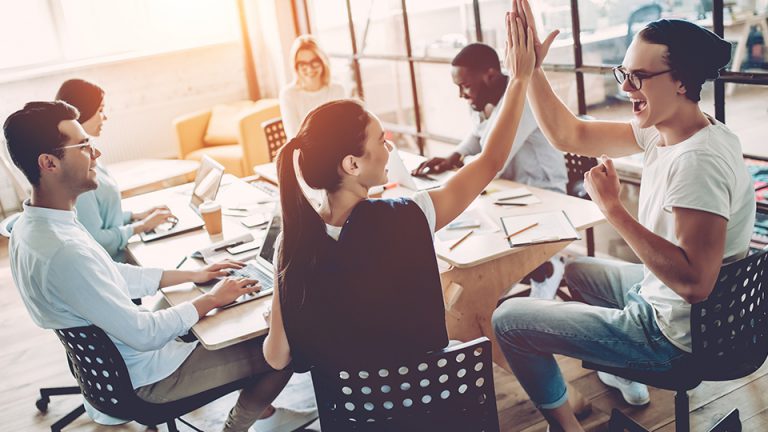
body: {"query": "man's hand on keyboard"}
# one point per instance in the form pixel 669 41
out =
pixel 229 289
pixel 218 270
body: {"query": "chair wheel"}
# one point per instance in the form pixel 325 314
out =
pixel 42 405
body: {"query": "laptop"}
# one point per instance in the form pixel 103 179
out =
pixel 206 187
pixel 260 268
pixel 398 172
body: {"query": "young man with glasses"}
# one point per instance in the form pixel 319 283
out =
pixel 697 209
pixel 66 279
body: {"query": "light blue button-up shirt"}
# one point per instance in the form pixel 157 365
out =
pixel 101 213
pixel 67 280
pixel 531 161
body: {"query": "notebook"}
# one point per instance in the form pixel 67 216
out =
pixel 537 228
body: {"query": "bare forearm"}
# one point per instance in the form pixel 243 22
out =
pixel 502 136
pixel 557 122
pixel 204 304
pixel 663 258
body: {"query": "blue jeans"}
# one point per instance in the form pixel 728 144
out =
pixel 616 328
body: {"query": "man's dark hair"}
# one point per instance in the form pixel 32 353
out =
pixel 477 57
pixel 34 130
pixel 695 54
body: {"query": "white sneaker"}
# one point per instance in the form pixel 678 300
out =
pixel 284 420
pixel 547 288
pixel 634 393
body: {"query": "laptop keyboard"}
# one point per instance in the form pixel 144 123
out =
pixel 250 271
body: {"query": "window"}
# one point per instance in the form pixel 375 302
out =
pixel 57 31
pixel 381 57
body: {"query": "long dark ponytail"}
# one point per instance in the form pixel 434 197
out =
pixel 328 134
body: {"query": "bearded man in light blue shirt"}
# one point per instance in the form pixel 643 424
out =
pixel 66 279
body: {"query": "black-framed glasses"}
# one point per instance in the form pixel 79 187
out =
pixel 635 78
pixel 314 64
pixel 90 144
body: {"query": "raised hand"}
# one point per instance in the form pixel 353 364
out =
pixel 520 56
pixel 523 9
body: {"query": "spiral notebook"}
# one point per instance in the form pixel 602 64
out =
pixel 537 228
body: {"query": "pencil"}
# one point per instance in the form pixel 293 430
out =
pixel 183 260
pixel 524 229
pixel 453 246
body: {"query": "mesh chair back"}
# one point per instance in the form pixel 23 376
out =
pixel 99 370
pixel 730 328
pixel 577 165
pixel 448 390
pixel 273 130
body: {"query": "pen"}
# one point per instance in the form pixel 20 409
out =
pixel 524 229
pixel 513 197
pixel 221 248
pixel 181 263
pixel 510 204
pixel 453 246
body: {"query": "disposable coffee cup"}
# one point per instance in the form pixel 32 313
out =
pixel 210 211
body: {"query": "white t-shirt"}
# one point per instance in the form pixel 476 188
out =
pixel 422 199
pixel 705 172
pixel 296 103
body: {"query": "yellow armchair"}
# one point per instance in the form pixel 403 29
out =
pixel 238 158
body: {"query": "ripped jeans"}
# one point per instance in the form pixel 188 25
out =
pixel 615 328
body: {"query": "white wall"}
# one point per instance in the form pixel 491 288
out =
pixel 142 98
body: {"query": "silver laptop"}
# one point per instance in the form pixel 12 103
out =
pixel 261 268
pixel 398 172
pixel 206 187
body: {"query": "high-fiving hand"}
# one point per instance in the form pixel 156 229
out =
pixel 522 9
pixel 520 57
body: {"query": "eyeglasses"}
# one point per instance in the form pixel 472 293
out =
pixel 635 78
pixel 314 64
pixel 86 143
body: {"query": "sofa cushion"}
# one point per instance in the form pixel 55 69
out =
pixel 223 124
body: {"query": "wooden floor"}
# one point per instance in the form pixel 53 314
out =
pixel 32 358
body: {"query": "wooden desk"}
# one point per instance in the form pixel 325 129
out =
pixel 221 328
pixel 146 175
pixel 483 268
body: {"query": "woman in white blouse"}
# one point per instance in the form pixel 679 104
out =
pixel 311 86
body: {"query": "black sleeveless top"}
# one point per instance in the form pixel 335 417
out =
pixel 374 295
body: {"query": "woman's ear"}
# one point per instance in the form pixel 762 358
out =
pixel 681 90
pixel 350 166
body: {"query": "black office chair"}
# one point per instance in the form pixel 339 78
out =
pixel 730 341
pixel 577 165
pixel 273 130
pixel 103 377
pixel 447 390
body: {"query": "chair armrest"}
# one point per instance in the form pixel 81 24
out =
pixel 251 135
pixel 190 131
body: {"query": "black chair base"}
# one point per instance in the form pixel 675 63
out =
pixel 45 399
pixel 621 422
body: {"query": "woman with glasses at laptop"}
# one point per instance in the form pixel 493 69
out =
pixel 311 86
pixel 100 210
pixel 357 279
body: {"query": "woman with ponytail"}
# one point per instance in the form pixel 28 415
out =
pixel 357 279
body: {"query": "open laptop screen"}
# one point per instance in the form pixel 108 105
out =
pixel 207 181
pixel 268 248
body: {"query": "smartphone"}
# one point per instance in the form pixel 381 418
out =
pixel 464 224
pixel 255 220
pixel 245 247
